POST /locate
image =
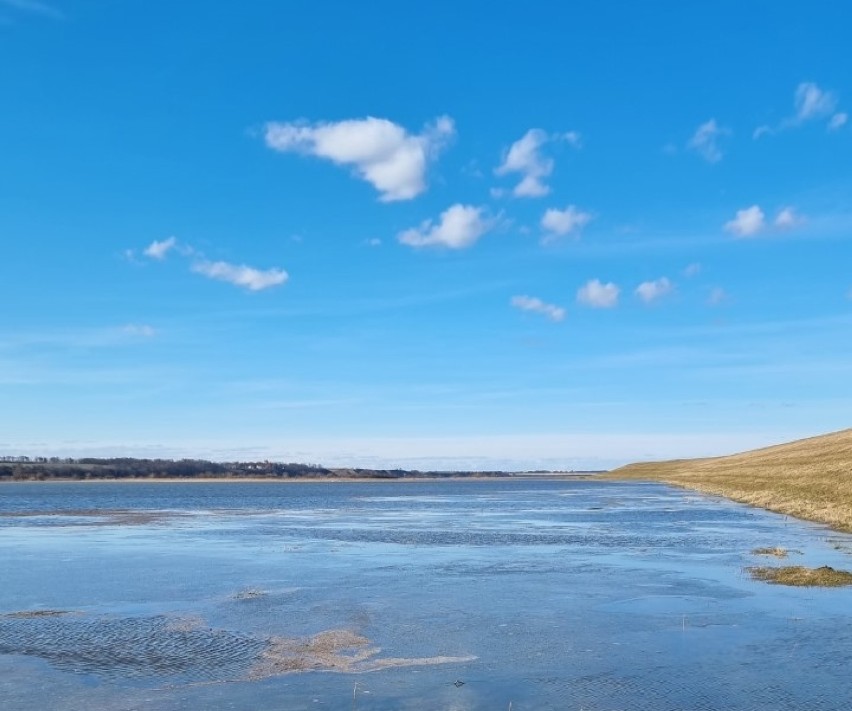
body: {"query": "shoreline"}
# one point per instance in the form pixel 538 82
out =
pixel 307 480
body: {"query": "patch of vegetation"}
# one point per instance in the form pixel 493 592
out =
pixel 800 576
pixel 777 551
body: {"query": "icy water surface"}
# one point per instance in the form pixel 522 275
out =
pixel 456 595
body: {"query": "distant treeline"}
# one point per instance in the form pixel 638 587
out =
pixel 47 468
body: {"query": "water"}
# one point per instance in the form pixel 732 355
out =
pixel 454 595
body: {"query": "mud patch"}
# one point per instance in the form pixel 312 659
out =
pixel 35 614
pixel 334 650
pixel 249 594
pixel 97 517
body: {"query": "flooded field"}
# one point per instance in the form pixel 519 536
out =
pixel 461 595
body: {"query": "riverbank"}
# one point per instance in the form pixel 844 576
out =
pixel 810 479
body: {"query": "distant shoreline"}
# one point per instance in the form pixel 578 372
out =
pixel 539 476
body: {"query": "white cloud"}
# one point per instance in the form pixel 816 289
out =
pixel 650 291
pixel 159 249
pixel 837 121
pixel 787 218
pixel 559 223
pixel 691 270
pixel 536 305
pixel 383 153
pixel 525 157
pixel 705 141
pixel 747 222
pixel 373 242
pixel 598 295
pixel 241 275
pixel 761 131
pixel 460 226
pixel 717 296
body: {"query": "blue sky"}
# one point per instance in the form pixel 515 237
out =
pixel 451 234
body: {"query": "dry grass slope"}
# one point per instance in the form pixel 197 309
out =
pixel 809 479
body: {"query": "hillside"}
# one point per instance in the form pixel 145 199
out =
pixel 809 478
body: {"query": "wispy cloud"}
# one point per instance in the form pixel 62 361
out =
pixel 650 291
pixel 838 121
pixel 381 152
pixel 78 338
pixel 536 305
pixel 241 275
pixel 460 226
pixel 159 249
pixel 810 103
pixel 598 295
pixel 526 158
pixel 717 296
pixel 33 7
pixel 705 141
pixel 691 270
pixel 559 223
pixel 787 218
pixel 142 330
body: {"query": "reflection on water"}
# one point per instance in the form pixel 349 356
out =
pixel 440 595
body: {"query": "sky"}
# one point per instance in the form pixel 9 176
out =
pixel 426 235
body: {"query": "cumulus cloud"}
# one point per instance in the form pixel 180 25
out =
pixel 705 141
pixel 598 295
pixel 381 152
pixel 459 226
pixel 536 305
pixel 159 249
pixel 747 222
pixel 691 270
pixel 752 220
pixel 525 157
pixel 650 291
pixel 241 275
pixel 559 223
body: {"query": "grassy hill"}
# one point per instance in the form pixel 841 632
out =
pixel 809 479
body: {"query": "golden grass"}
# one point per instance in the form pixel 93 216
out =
pixel 824 577
pixel 809 479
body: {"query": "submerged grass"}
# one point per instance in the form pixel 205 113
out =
pixel 777 551
pixel 800 576
pixel 809 479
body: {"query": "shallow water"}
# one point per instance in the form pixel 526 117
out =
pixel 450 595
